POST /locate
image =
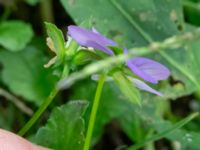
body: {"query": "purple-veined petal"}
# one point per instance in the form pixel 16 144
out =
pixel 90 38
pixel 147 69
pixel 140 73
pixel 143 86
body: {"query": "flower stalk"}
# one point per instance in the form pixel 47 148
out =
pixel 43 106
pixel 94 112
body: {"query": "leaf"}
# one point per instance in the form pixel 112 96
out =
pixel 65 127
pixel 135 22
pixel 165 132
pixel 25 76
pixel 187 139
pixel 191 11
pixel 150 118
pixel 138 23
pixel 15 35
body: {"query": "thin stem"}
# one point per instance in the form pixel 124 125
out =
pixel 39 112
pixel 47 14
pixel 44 105
pixel 168 44
pixel 94 112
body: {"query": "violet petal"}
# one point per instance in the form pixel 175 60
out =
pixel 143 86
pixel 90 38
pixel 99 47
pixel 147 69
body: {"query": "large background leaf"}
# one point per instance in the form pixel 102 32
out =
pixel 125 20
pixel 24 74
pixel 14 35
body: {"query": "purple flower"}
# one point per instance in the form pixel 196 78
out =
pixel 144 68
pixel 92 38
pixel 148 70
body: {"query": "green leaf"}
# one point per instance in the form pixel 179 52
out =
pixel 56 36
pixel 165 132
pixel 127 87
pixel 25 76
pixel 150 118
pixel 131 125
pixel 65 127
pixel 134 23
pixel 187 139
pixel 191 11
pixel 15 35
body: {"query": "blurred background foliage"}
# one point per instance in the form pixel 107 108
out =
pixel 25 83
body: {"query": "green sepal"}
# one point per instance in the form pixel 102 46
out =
pixel 116 50
pixel 72 48
pixel 83 57
pixel 57 38
pixel 126 87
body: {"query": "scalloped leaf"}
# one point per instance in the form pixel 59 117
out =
pixel 65 128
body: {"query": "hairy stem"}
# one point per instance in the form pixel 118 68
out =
pixel 44 105
pixel 168 44
pixel 94 112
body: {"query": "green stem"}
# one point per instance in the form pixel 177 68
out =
pixel 94 112
pixel 44 105
pixel 46 11
pixel 39 112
